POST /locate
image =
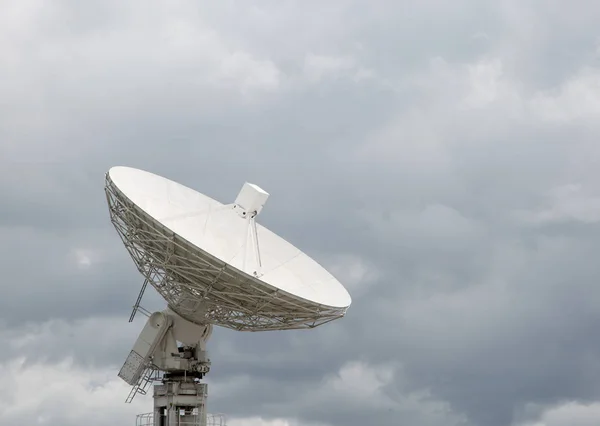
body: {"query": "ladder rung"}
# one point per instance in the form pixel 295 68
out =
pixel 142 385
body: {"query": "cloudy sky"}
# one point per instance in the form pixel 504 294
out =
pixel 441 158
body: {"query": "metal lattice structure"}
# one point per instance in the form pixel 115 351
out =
pixel 202 288
pixel 147 419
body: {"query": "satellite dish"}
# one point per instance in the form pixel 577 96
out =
pixel 214 265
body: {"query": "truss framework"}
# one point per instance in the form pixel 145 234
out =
pixel 147 419
pixel 202 288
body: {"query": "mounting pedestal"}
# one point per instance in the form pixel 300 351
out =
pixel 180 401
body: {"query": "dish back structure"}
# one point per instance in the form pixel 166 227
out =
pixel 202 288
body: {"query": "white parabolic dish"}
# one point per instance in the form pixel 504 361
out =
pixel 194 251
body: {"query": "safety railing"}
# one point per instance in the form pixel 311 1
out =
pixel 147 419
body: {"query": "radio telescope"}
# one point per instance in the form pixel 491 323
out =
pixel 214 265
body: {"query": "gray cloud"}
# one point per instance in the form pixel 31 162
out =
pixel 441 159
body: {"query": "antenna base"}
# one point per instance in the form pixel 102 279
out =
pixel 168 344
pixel 180 400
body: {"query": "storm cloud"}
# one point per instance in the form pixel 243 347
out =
pixel 441 158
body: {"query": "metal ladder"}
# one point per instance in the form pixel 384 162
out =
pixel 143 384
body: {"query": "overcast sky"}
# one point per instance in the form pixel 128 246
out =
pixel 442 158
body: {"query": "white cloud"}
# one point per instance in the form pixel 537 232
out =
pixel 65 394
pixel 320 67
pixel 486 84
pixel 358 380
pixel 39 390
pixel 259 421
pixel 55 339
pixel 84 258
pixel 354 272
pixel 566 414
pixel 113 73
pixel 576 100
pixel 42 394
pixel 362 387
pixel 358 389
pixel 409 140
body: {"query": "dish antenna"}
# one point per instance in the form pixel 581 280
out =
pixel 214 265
